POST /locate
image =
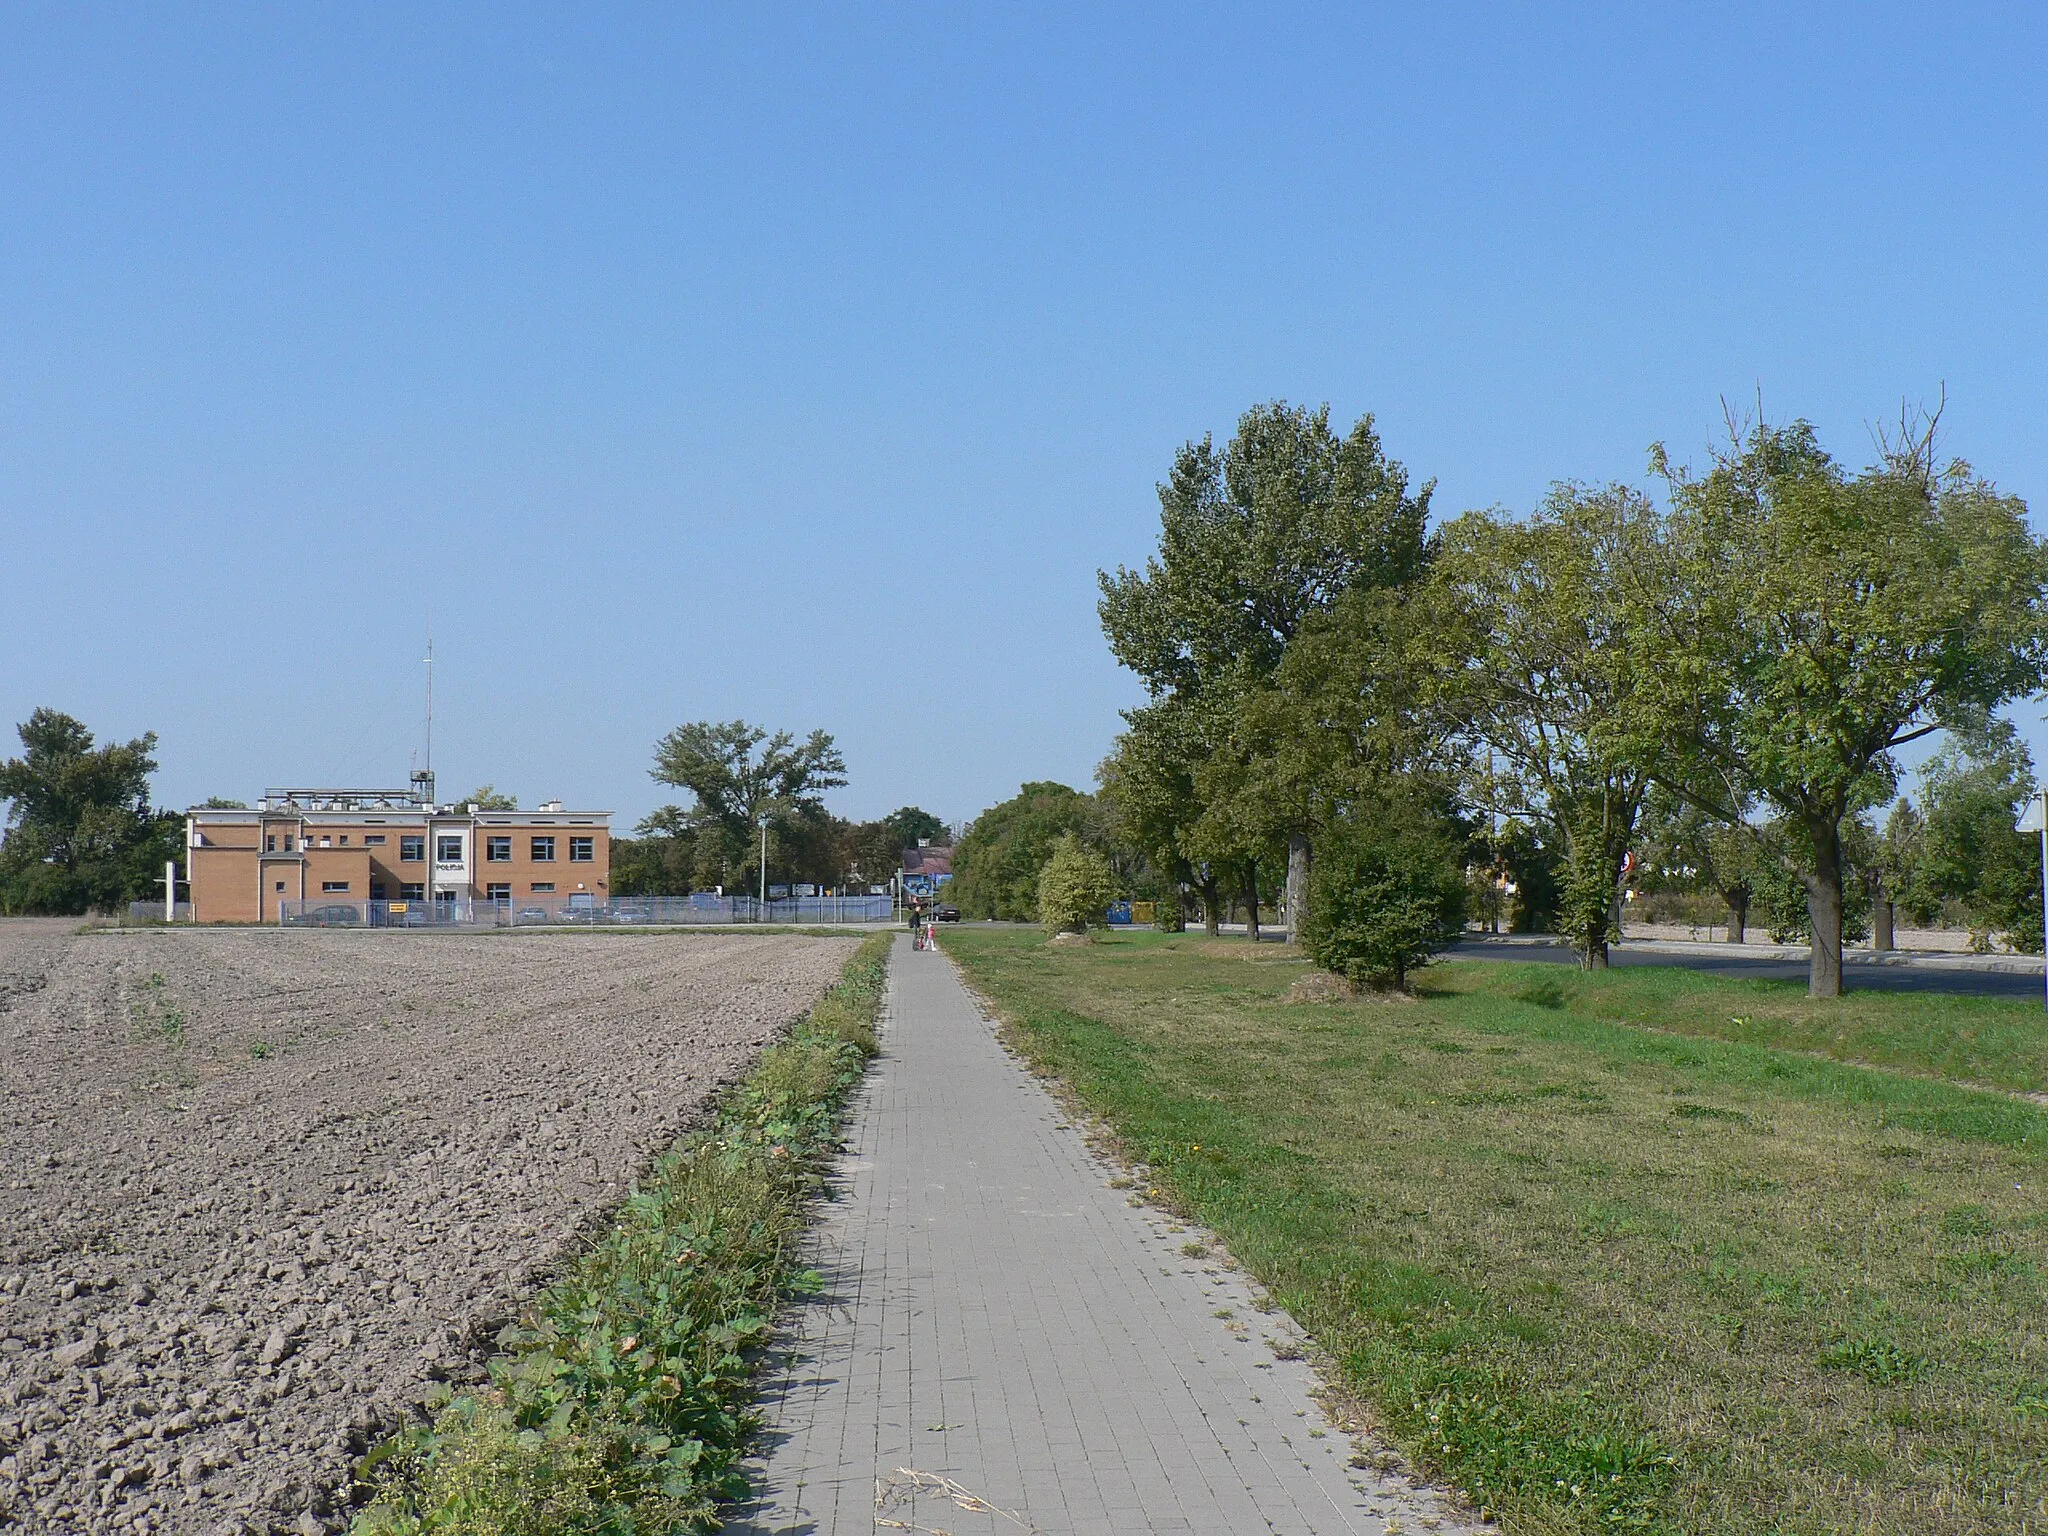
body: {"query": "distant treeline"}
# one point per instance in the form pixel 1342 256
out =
pixel 1528 718
pixel 81 834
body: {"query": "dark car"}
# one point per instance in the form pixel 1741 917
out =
pixel 335 916
pixel 945 914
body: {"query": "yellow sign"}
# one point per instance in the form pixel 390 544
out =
pixel 1144 911
pixel 396 906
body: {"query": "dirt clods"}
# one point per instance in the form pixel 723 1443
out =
pixel 259 1189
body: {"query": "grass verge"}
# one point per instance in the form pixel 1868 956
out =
pixel 1993 1041
pixel 1602 1277
pixel 619 1402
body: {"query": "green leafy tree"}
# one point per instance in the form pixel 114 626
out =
pixel 1537 674
pixel 911 826
pixel 221 803
pixel 1697 851
pixel 1780 882
pixel 1533 867
pixel 1896 874
pixel 1255 539
pixel 875 852
pixel 1147 784
pixel 741 776
pixel 1075 887
pixel 656 865
pixel 1389 892
pixel 812 846
pixel 1800 622
pixel 996 864
pixel 485 797
pixel 1974 789
pixel 81 834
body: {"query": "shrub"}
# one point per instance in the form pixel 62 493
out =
pixel 1075 888
pixel 1387 892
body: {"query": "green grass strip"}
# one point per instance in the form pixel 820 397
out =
pixel 1603 1276
pixel 620 1403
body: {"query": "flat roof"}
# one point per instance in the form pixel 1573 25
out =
pixel 392 816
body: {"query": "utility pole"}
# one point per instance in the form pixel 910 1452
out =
pixel 764 863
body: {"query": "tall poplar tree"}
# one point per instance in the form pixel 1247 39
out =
pixel 1255 539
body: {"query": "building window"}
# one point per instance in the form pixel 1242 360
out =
pixel 498 850
pixel 334 885
pixel 543 850
pixel 499 890
pixel 326 842
pixel 344 839
pixel 376 890
pixel 448 850
pixel 413 892
pixel 412 850
pixel 280 887
pixel 374 840
pixel 270 843
pixel 582 850
pixel 539 887
pixel 287 842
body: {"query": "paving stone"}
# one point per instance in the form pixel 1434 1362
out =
pixel 995 1315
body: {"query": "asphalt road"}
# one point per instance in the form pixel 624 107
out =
pixel 1857 976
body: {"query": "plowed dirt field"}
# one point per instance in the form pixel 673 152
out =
pixel 258 1189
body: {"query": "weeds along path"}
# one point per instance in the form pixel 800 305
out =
pixel 261 1188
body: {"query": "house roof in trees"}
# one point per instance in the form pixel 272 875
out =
pixel 927 861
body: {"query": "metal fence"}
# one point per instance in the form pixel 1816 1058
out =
pixel 582 911
pixel 153 911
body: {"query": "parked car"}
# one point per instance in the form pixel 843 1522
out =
pixel 334 916
pixel 945 914
pixel 530 915
pixel 629 915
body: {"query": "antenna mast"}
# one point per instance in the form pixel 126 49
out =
pixel 423 778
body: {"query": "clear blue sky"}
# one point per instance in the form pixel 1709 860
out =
pixel 688 366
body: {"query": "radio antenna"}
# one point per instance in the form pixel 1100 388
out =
pixel 430 698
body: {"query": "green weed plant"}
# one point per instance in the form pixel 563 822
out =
pixel 619 1404
pixel 155 1016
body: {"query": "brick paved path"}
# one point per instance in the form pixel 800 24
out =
pixel 995 1314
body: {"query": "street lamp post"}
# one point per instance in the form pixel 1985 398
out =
pixel 764 861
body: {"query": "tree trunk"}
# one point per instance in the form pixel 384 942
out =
pixel 1824 908
pixel 1251 900
pixel 1595 955
pixel 1298 857
pixel 1212 922
pixel 1738 914
pixel 1883 925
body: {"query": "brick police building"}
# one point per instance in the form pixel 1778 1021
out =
pixel 357 845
